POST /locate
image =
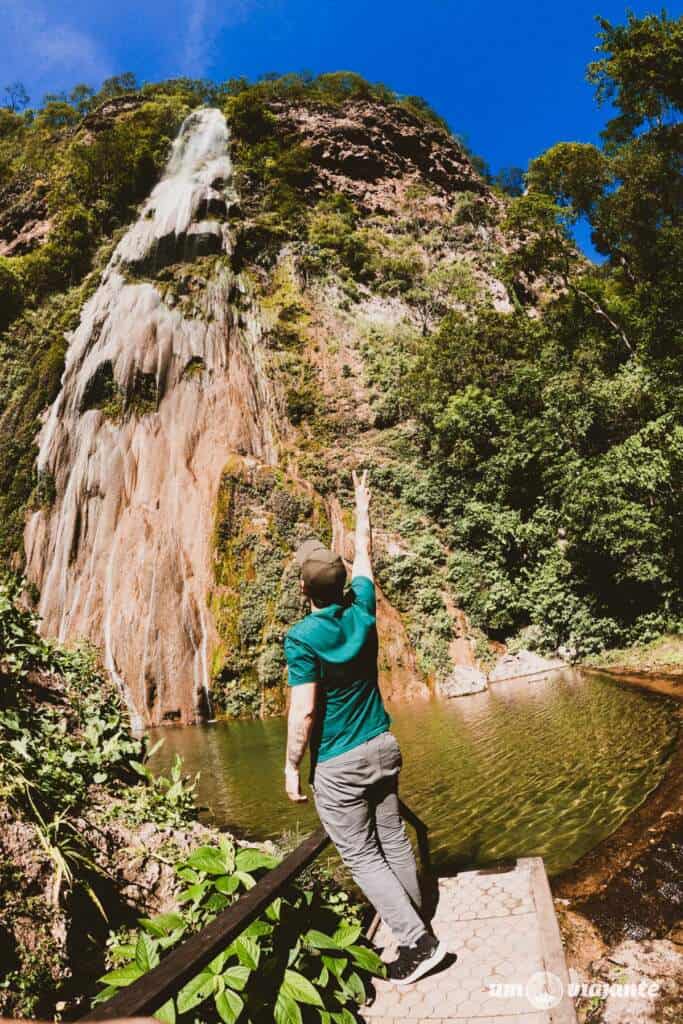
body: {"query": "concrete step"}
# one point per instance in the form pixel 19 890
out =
pixel 510 966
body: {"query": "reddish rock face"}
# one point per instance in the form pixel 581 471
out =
pixel 373 152
pixel 24 221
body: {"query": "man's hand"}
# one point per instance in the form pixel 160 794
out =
pixel 360 486
pixel 293 785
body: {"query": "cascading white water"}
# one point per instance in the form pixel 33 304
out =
pixel 198 172
pixel 162 382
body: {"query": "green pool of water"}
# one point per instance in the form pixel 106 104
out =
pixel 547 766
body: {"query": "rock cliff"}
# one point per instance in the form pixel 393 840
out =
pixel 219 388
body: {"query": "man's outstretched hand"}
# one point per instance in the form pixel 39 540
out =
pixel 293 785
pixel 362 561
pixel 360 486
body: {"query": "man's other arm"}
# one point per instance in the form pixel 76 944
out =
pixel 362 561
pixel 299 724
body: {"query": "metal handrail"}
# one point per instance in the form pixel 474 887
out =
pixel 151 991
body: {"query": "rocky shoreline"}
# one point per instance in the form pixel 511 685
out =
pixel 620 906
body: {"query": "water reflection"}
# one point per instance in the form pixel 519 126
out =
pixel 548 766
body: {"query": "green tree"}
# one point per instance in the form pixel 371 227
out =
pixel 16 97
pixel 631 191
pixel 81 97
pixel 640 72
pixel 510 180
pixel 118 84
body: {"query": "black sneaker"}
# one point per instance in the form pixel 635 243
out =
pixel 414 961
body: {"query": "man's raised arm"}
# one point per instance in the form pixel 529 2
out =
pixel 362 562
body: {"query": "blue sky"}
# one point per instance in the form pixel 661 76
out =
pixel 509 77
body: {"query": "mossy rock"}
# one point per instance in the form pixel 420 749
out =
pixel 261 516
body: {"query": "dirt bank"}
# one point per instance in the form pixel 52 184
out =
pixel 668 684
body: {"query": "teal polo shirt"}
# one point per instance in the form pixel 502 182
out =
pixel 337 648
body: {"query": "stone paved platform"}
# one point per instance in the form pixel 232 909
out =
pixel 502 926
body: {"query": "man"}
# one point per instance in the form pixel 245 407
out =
pixel 355 760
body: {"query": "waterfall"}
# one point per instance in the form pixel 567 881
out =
pixel 162 381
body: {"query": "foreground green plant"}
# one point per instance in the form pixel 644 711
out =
pixel 68 765
pixel 303 959
pixel 166 800
pixel 79 738
pixel 64 734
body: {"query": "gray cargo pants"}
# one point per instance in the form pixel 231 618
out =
pixel 356 797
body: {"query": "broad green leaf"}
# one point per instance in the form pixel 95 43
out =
pixel 347 934
pixel 229 1005
pixel 345 1017
pixel 173 792
pixel 170 940
pixel 236 977
pixel 211 860
pixel 293 955
pixel 355 986
pixel 122 976
pixel 300 988
pixel 217 902
pixel 227 884
pixel 125 952
pixel 20 746
pixel 257 928
pixel 248 951
pixel 105 994
pixel 150 927
pixel 166 1013
pixel 194 893
pixel 218 963
pixel 162 924
pixel 152 750
pixel 367 959
pixel 228 847
pixel 252 859
pixel 336 964
pixel 146 953
pixel 273 911
pixel 323 978
pixel 287 1010
pixel 196 991
pixel 318 940
pixel 187 874
pixel 246 879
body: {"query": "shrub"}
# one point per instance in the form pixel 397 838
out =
pixel 11 292
pixel 303 955
pixel 64 258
